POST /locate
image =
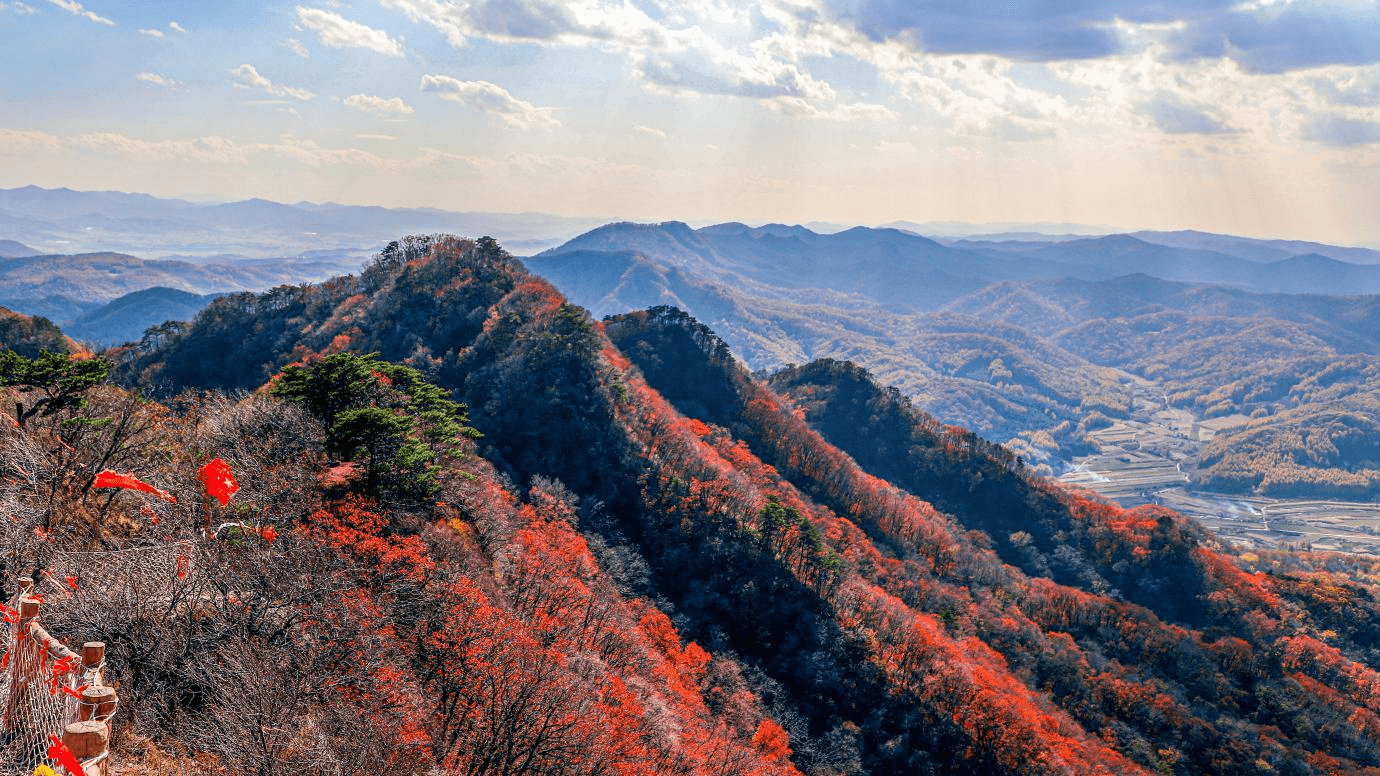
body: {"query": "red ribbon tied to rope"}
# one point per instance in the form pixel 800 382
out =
pixel 59 751
pixel 219 482
pixel 110 479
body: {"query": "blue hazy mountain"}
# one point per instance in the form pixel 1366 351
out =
pixel 10 249
pixel 67 221
pixel 127 318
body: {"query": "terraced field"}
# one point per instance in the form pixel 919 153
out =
pixel 1150 461
pixel 1264 523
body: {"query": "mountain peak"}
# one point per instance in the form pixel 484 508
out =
pixel 9 249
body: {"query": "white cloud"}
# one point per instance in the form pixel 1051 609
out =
pixel 76 9
pixel 1128 86
pixel 295 46
pixel 156 79
pixel 490 98
pixel 152 33
pixel 338 32
pixel 832 111
pixel 23 143
pixel 23 9
pixel 1341 131
pixel 444 17
pixel 247 77
pixel 393 106
pixel 1176 117
pixel 175 27
pixel 699 63
pixel 213 149
pixel 596 23
pixel 671 53
pixel 653 131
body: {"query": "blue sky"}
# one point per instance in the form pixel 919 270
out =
pixel 1259 117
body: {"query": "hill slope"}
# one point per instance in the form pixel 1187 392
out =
pixel 29 336
pixel 125 319
pixel 966 617
pixel 11 249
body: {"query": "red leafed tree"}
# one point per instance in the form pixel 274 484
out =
pixel 505 703
pixel 771 740
pixel 353 527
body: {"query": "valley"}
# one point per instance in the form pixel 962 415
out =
pixel 1139 388
pixel 1151 459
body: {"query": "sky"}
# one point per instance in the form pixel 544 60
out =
pixel 1258 117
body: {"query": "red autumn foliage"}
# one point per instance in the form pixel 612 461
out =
pixel 771 740
pixel 352 527
pixel 974 619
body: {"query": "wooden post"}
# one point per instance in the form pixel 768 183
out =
pixel 88 740
pixel 92 655
pixel 25 585
pixel 206 531
pixel 23 659
pixel 97 703
pixel 28 610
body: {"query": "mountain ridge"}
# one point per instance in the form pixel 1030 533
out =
pixel 68 221
pixel 1102 337
pixel 1055 634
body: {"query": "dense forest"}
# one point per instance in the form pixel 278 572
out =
pixel 481 532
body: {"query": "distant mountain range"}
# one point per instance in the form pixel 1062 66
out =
pixel 1029 342
pixel 63 221
pixel 65 287
pixel 896 267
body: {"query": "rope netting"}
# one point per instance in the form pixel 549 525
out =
pixel 148 572
pixel 44 686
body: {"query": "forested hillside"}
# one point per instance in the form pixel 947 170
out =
pixel 31 335
pixel 683 568
pixel 1301 366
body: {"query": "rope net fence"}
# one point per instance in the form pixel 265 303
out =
pixel 55 707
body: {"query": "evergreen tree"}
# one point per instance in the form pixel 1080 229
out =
pixel 56 380
pixel 383 416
